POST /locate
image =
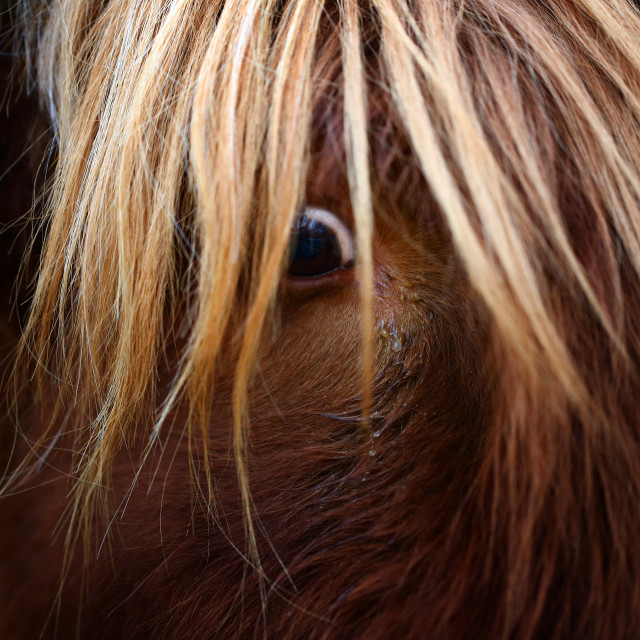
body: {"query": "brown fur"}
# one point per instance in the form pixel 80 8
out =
pixel 478 501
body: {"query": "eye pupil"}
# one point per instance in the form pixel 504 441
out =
pixel 315 249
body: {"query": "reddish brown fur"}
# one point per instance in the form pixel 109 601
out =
pixel 391 532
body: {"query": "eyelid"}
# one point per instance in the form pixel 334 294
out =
pixel 343 233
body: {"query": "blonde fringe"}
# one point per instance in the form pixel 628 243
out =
pixel 176 121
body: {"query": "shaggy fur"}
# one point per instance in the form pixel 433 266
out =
pixel 440 442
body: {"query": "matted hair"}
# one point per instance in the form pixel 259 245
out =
pixel 186 134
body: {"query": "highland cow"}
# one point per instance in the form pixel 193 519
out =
pixel 329 323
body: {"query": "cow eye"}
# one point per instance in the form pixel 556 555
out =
pixel 320 243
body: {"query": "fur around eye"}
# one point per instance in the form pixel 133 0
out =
pixel 198 442
pixel 320 243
